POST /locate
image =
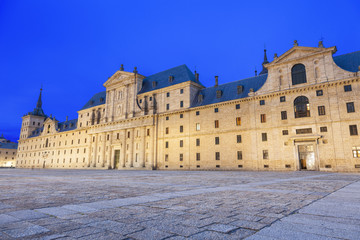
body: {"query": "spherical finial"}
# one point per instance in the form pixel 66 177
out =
pixel 135 70
pixel 296 43
pixel 122 67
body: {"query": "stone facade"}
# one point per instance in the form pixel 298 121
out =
pixel 301 112
pixel 7 152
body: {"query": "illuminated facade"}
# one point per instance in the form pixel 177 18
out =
pixel 7 152
pixel 300 112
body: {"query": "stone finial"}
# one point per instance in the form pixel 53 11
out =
pixel 122 67
pixel 196 76
pixel 296 43
pixel 321 44
pixel 216 81
pixel 255 72
pixel 251 90
pixel 275 56
pixel 135 70
pixel 359 68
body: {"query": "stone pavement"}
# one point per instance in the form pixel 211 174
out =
pixel 103 204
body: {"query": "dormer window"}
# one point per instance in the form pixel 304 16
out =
pixel 240 89
pixel 218 94
pixel 91 102
pixel 101 100
pixel 200 98
pixel 154 84
pixel 171 78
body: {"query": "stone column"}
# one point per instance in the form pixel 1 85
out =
pixel 103 149
pixel 143 147
pixel 90 152
pixel 123 153
pixel 95 149
pixel 110 160
pixel 131 146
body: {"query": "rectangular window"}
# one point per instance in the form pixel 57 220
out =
pixel 197 126
pixel 166 157
pixel 197 156
pixel 238 121
pixel 148 132
pixel 350 107
pixel 197 113
pixel 264 137
pixel 321 110
pixel 216 123
pixel 181 157
pixel 167 94
pixel 265 154
pixel 319 92
pixel 181 104
pixel 181 143
pixel 282 99
pixel 167 118
pixel 263 118
pixel 166 144
pixel 181 91
pixel 167 130
pixel 323 129
pixel 217 155
pixel 217 140
pixel 356 152
pixel 347 88
pixel 216 110
pixel 239 155
pixel 167 106
pixel 353 130
pixel 237 106
pixel 198 142
pixel 262 102
pixel 238 138
pixel 285 132
pixel 283 115
pixel 303 130
pixel 181 129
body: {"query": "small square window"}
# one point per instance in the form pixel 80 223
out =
pixel 181 115
pixel 285 132
pixel 347 88
pixel 319 92
pixel 262 102
pixel 197 113
pixel 216 110
pixel 282 99
pixel 237 106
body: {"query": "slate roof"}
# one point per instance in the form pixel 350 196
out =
pixel 229 90
pixel 62 127
pixel 97 99
pixel 9 145
pixel 349 62
pixel 180 73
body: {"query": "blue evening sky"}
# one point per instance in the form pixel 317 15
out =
pixel 71 47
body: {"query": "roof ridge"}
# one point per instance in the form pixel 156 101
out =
pixel 347 53
pixel 265 74
pixel 167 70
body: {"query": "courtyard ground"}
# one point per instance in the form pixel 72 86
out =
pixel 109 204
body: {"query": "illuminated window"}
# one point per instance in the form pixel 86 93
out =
pixel 301 107
pixel 238 121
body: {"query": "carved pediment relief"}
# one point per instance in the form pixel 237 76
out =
pixel 298 53
pixel 122 78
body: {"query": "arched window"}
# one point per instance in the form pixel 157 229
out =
pixel 298 74
pixel 98 116
pixel 301 107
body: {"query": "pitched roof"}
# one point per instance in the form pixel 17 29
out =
pixel 97 99
pixel 180 73
pixel 229 90
pixel 349 62
pixel 8 145
pixel 61 127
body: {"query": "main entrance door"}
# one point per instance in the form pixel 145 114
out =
pixel 116 159
pixel 307 157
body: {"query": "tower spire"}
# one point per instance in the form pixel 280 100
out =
pixel 264 70
pixel 39 102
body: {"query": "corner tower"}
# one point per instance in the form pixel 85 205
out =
pixel 32 120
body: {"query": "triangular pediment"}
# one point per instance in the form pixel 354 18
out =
pixel 297 53
pixel 121 77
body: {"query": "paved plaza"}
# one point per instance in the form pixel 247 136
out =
pixel 109 204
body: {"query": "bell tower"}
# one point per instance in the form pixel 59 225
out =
pixel 32 120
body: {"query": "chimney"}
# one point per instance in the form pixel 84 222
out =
pixel 216 81
pixel 196 76
pixel 67 119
